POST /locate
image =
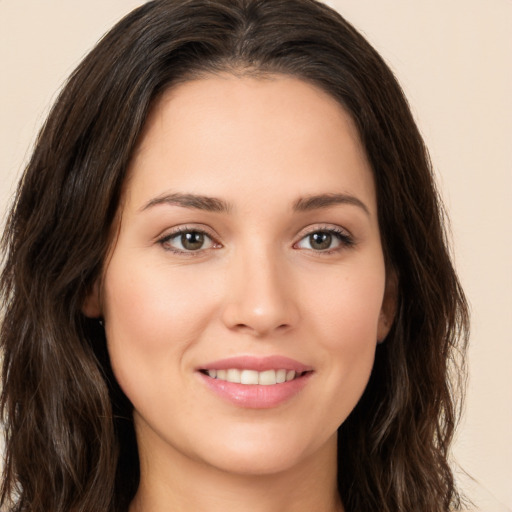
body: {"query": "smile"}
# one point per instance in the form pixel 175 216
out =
pixel 253 377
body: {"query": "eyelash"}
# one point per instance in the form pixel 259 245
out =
pixel 345 240
pixel 164 241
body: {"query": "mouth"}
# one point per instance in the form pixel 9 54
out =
pixel 253 377
pixel 256 382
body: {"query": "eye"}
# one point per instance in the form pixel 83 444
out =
pixel 325 240
pixel 187 240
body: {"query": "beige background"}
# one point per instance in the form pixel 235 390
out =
pixel 453 58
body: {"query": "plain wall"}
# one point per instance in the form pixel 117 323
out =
pixel 454 60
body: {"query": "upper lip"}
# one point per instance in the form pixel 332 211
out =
pixel 259 364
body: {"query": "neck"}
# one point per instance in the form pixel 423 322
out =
pixel 178 483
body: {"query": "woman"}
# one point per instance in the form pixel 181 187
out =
pixel 226 279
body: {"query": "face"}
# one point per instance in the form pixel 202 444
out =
pixel 246 292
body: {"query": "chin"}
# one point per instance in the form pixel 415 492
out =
pixel 266 454
pixel 257 464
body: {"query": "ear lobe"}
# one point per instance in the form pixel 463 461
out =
pixel 91 306
pixel 388 309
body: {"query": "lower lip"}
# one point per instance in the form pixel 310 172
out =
pixel 255 396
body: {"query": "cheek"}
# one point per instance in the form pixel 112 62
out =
pixel 345 318
pixel 152 316
pixel 347 307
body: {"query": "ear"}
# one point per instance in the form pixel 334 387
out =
pixel 92 303
pixel 388 309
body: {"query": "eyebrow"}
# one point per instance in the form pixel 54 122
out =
pixel 214 204
pixel 193 201
pixel 326 200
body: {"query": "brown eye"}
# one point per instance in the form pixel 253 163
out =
pixel 187 241
pixel 325 240
pixel 320 241
pixel 192 241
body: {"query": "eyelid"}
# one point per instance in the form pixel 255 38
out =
pixel 178 230
pixel 344 236
pixel 313 228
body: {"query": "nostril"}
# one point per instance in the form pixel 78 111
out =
pixel 260 313
pixel 259 329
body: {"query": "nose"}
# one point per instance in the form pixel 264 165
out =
pixel 260 298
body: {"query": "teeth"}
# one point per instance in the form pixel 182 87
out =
pixel 249 377
pixel 267 378
pixel 280 376
pixel 252 377
pixel 233 375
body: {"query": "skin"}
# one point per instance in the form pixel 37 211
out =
pixel 258 286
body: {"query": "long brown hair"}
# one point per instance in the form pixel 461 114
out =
pixel 70 443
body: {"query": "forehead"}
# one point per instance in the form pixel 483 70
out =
pixel 223 135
